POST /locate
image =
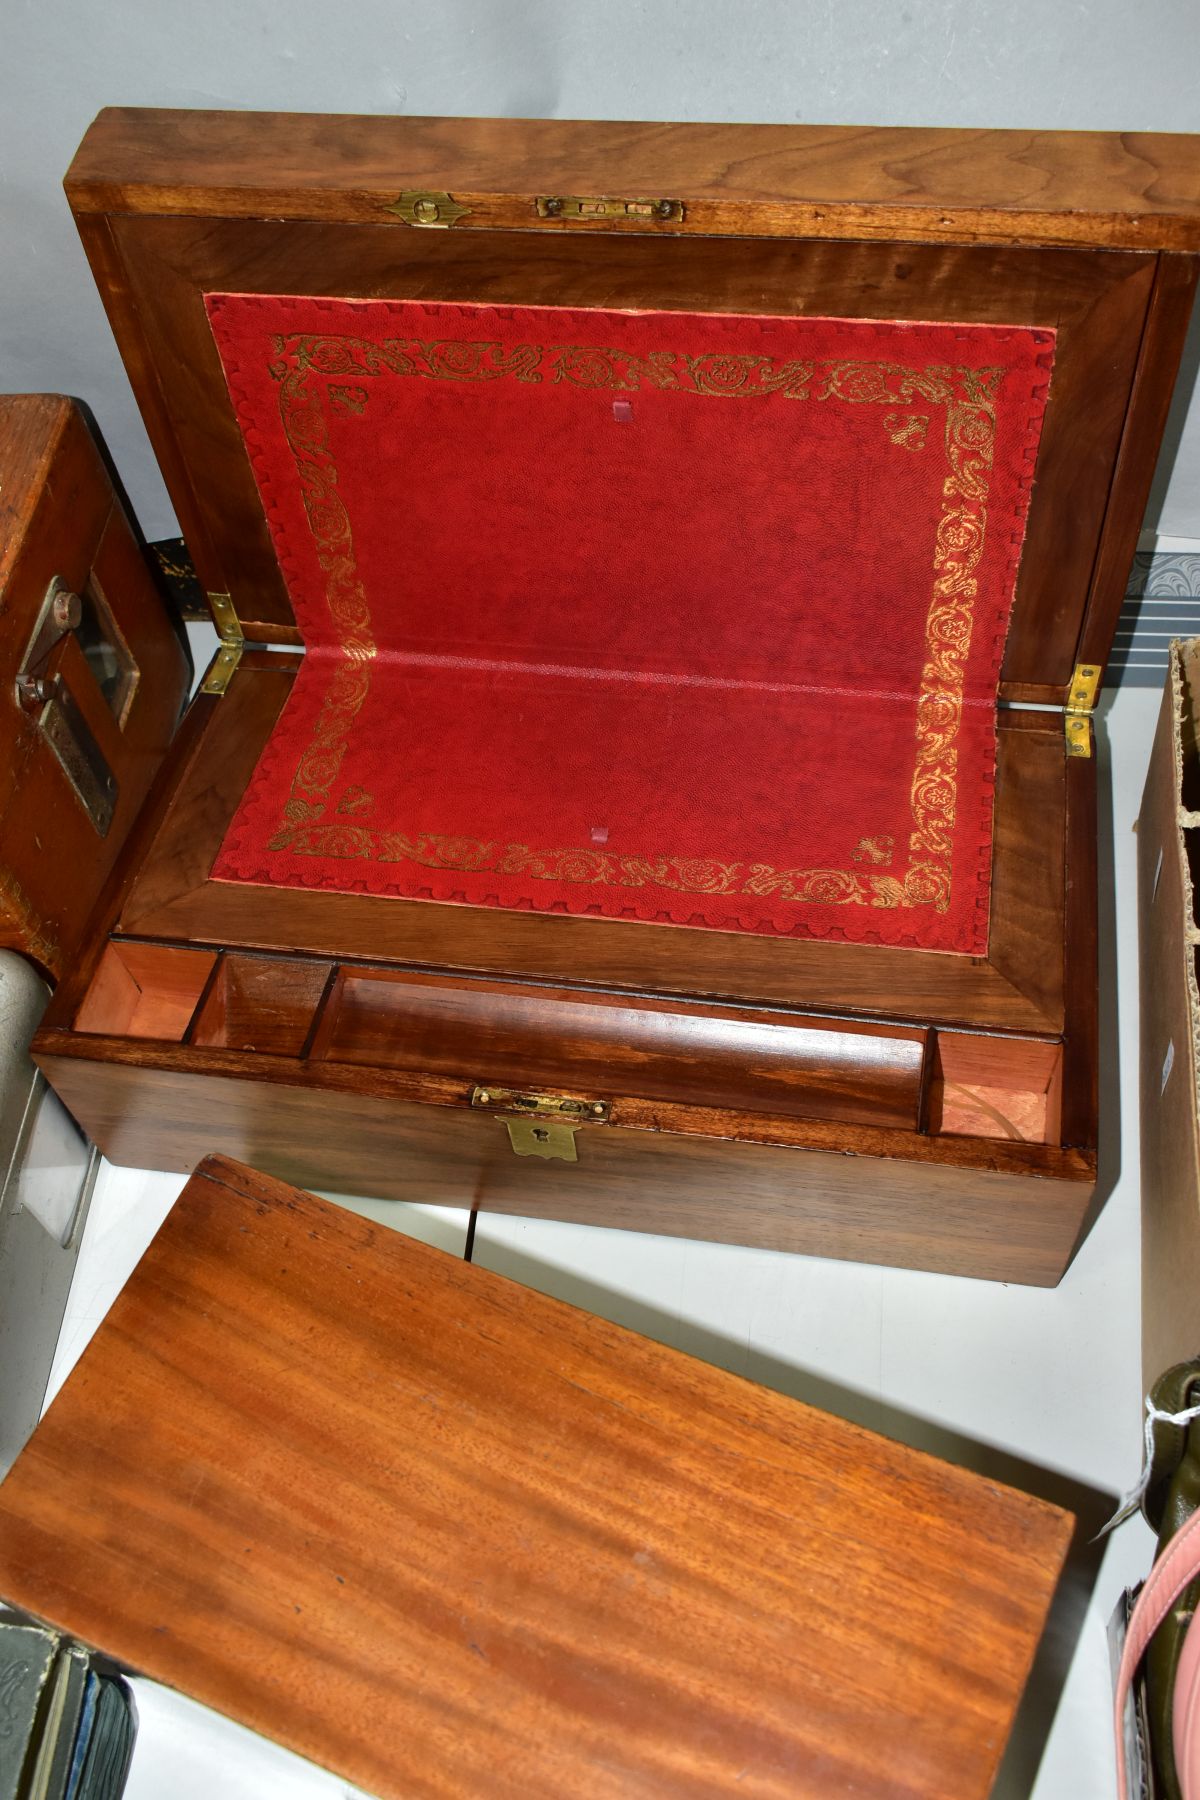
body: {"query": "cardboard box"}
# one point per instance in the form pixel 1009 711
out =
pixel 1168 852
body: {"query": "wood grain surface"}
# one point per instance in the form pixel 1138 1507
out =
pixel 1159 355
pixel 153 273
pixel 1138 190
pixel 1094 235
pixel 531 1036
pixel 446 1536
pixel 59 516
pixel 991 1208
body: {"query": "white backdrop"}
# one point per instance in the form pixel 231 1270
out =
pixel 1081 64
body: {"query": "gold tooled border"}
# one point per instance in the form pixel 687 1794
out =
pixel 310 367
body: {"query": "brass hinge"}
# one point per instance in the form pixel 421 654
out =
pixel 1081 698
pixel 229 630
pixel 604 206
pixel 541 1124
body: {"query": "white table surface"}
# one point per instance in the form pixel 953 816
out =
pixel 1040 1388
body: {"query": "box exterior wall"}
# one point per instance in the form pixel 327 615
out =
pixel 1170 1126
pixel 992 1224
pixel 63 531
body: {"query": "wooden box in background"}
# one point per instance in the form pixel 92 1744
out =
pixel 94 677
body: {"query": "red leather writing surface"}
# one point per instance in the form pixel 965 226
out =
pixel 687 618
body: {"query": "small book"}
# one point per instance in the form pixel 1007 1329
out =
pixel 67 1723
pixel 60 1725
pixel 83 1736
pixel 106 1759
pixel 28 1654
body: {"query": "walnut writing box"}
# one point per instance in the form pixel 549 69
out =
pixel 664 576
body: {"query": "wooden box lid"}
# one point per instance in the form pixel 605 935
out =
pixel 1091 235
pixel 75 766
pixel 444 1535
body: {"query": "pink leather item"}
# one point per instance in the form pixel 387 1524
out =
pixel 1175 1569
pixel 1185 1716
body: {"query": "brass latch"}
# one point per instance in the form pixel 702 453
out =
pixel 541 1124
pixel 601 206
pixel 229 629
pixel 1081 698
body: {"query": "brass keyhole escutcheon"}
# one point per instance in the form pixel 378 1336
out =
pixel 542 1124
pixel 546 1138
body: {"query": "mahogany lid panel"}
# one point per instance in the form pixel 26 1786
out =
pixel 444 1535
pixel 1131 190
pixel 154 270
pixel 314 196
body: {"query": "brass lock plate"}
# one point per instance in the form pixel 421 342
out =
pixel 541 1124
pixel 543 1137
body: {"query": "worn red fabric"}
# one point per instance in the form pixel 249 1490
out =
pixel 678 617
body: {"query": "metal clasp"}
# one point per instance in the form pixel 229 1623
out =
pixel 602 206
pixel 541 1124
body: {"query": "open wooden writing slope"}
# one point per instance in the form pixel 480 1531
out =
pixel 593 1028
pixel 446 1536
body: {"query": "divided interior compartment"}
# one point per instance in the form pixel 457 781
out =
pixel 216 999
pixel 263 1003
pixel 996 1087
pixel 610 1045
pixel 510 1035
pixel 145 991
